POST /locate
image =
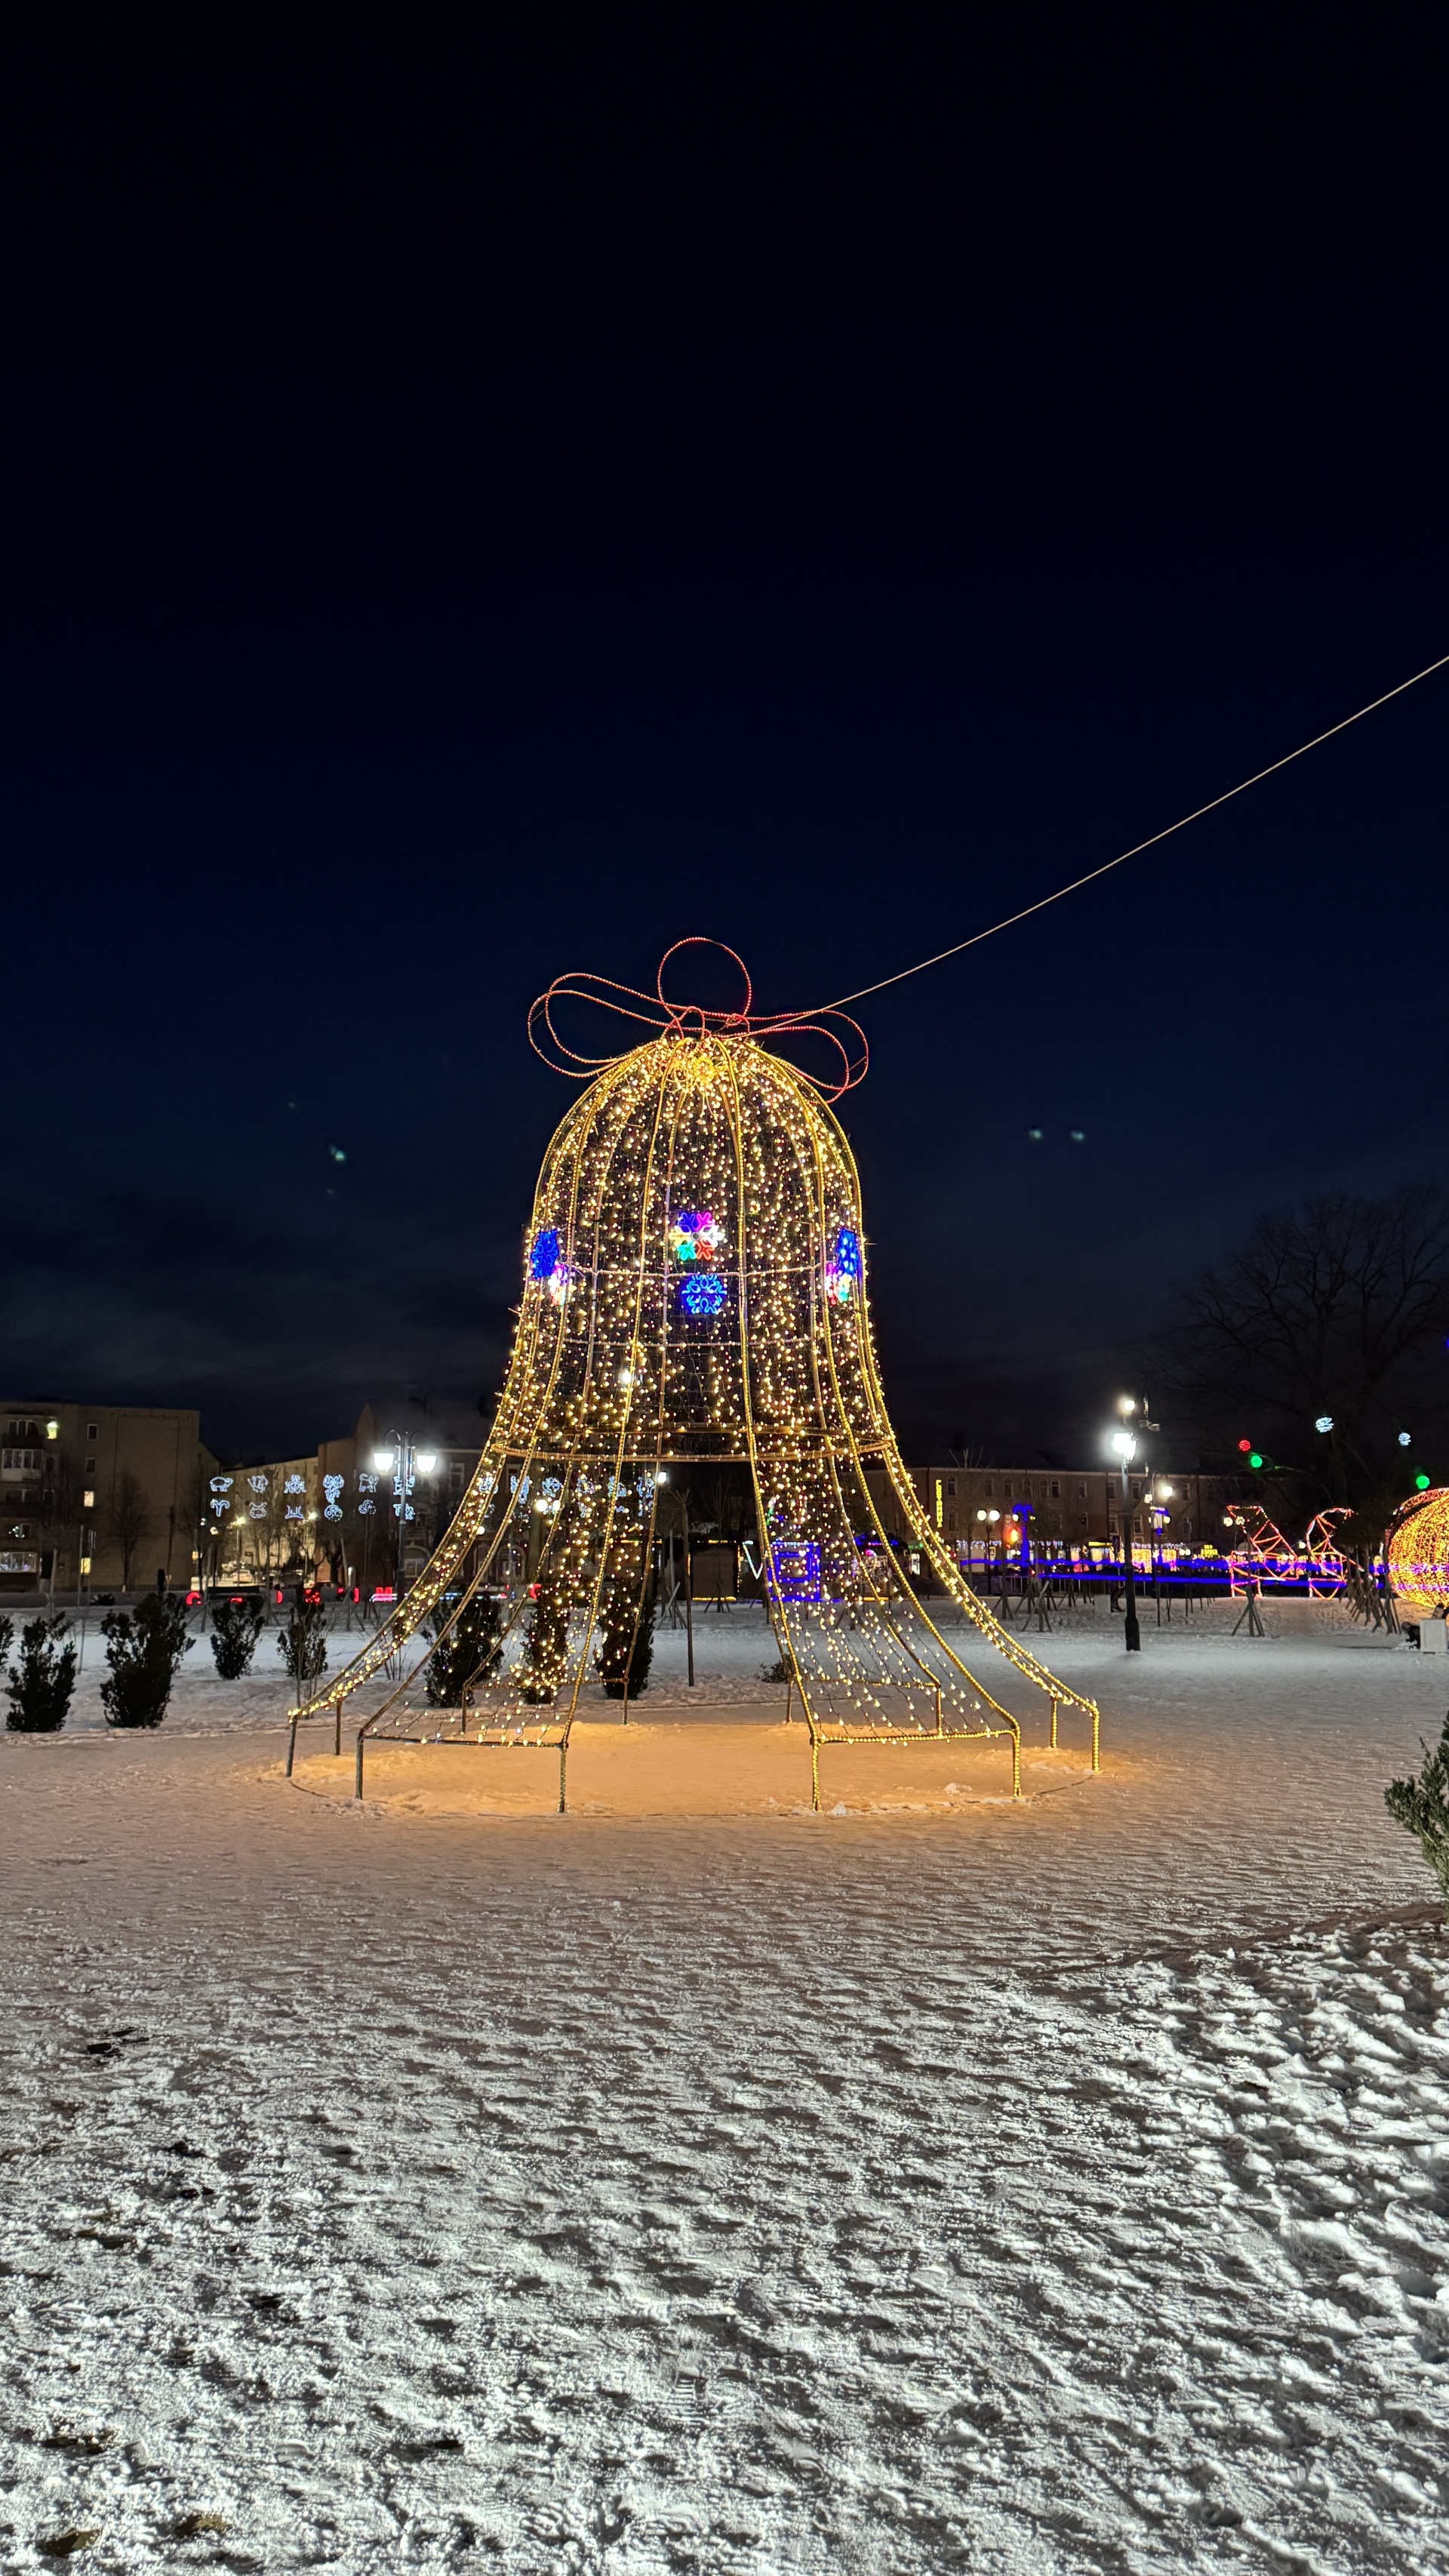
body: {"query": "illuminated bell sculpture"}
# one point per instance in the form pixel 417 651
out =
pixel 694 1292
pixel 1417 1553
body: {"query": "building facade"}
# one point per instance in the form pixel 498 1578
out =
pixel 368 1529
pixel 104 1495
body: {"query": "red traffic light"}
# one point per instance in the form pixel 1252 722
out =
pixel 1245 1446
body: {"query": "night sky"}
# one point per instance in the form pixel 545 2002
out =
pixel 472 513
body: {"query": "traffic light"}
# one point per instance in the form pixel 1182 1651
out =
pixel 1421 1484
pixel 1245 1446
pixel 1255 1457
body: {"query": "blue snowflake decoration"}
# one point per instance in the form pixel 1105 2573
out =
pixel 843 1272
pixel 547 1252
pixel 702 1293
pixel 795 1570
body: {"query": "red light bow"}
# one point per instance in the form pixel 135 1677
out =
pixel 655 1011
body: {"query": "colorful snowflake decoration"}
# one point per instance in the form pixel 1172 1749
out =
pixel 843 1272
pixel 546 1264
pixel 695 1236
pixel 702 1293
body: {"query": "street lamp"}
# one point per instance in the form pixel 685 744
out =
pixel 1124 1443
pixel 404 1462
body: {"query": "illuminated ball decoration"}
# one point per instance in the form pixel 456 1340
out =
pixel 695 1289
pixel 1417 1552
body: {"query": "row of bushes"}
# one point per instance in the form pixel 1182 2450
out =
pixel 145 1646
pixel 144 1649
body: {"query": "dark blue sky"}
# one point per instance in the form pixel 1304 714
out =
pixel 472 513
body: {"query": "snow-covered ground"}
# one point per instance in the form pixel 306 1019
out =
pixel 1032 2189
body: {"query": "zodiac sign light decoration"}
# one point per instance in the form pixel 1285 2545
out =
pixel 694 1289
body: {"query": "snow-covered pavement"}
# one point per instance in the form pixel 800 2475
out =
pixel 1048 2189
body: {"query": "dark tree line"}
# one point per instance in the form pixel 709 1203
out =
pixel 1336 1311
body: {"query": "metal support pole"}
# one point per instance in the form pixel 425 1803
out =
pixel 688 1593
pixel 1134 1633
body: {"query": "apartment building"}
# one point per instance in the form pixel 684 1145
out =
pixel 101 1494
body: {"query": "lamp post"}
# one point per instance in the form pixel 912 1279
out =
pixel 1124 1443
pixel 404 1462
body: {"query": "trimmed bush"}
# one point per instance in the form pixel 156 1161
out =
pixel 468 1654
pixel 144 1648
pixel 39 1689
pixel 546 1650
pixel 625 1654
pixel 1421 1806
pixel 302 1644
pixel 235 1628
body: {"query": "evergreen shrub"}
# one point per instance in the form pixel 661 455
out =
pixel 302 1644
pixel 39 1689
pixel 235 1628
pixel 546 1650
pixel 468 1654
pixel 1421 1806
pixel 144 1648
pixel 626 1654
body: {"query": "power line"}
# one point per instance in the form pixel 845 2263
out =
pixel 1138 847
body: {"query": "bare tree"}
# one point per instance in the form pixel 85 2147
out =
pixel 61 1508
pixel 1326 1314
pixel 129 1520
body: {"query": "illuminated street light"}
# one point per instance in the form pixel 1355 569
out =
pixel 1124 1444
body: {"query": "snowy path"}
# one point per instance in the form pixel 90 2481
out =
pixel 886 2193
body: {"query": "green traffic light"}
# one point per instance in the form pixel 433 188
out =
pixel 1422 1484
pixel 1256 1458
